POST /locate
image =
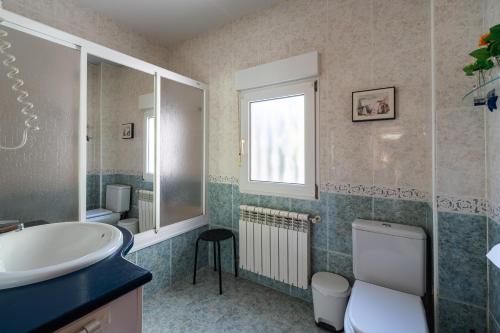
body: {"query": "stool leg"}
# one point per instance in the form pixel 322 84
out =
pixel 215 257
pixel 234 255
pixel 195 260
pixel 220 268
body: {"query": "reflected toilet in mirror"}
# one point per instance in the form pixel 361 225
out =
pixel 120 146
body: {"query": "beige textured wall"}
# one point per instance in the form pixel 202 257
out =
pixel 113 101
pixel 492 17
pixel 93 118
pixel 363 44
pixel 460 128
pixel 68 16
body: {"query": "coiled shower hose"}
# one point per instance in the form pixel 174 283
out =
pixel 22 95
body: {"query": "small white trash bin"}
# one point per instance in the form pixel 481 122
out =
pixel 330 293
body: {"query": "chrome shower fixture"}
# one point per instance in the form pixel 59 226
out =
pixel 22 95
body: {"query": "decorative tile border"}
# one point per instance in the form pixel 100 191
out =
pixel 494 212
pixel 93 172
pixel 223 179
pixel 463 205
pixel 117 172
pixel 377 191
pixel 476 206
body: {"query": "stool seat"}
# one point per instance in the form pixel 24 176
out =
pixel 214 235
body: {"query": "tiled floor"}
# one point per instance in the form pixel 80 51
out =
pixel 243 307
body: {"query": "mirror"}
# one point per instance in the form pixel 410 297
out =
pixel 120 145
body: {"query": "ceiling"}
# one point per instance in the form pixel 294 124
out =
pixel 171 21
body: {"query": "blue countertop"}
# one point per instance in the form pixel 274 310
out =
pixel 49 305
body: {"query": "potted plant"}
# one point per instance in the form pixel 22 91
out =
pixel 486 58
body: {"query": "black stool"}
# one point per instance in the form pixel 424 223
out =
pixel 215 236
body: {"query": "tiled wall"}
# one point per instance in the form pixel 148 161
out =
pixel 330 239
pixel 460 170
pixel 468 283
pixel 356 157
pixel 492 17
pixel 494 278
pixel 462 272
pixel 171 260
pixel 359 49
pixel 96 190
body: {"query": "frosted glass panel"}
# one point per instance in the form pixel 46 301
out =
pixel 40 180
pixel 181 151
pixel 277 140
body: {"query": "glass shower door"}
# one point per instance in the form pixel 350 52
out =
pixel 181 152
pixel 38 180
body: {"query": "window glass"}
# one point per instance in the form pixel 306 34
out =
pixel 277 140
pixel 150 146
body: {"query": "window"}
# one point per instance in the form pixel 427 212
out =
pixel 149 146
pixel 278 147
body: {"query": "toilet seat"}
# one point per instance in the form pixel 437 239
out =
pixel 375 309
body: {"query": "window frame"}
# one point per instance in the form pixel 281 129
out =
pixel 308 190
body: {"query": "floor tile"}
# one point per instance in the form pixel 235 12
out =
pixel 243 307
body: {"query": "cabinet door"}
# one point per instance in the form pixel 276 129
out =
pixel 123 315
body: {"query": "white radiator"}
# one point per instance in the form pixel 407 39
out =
pixel 146 210
pixel 275 243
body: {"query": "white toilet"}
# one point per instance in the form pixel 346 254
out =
pixel 117 202
pixel 389 262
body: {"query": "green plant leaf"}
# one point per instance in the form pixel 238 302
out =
pixel 495 28
pixel 469 70
pixel 494 48
pixel 483 65
pixel 469 67
pixel 494 36
pixel 481 54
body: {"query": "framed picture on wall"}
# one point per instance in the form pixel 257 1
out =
pixel 375 104
pixel 128 131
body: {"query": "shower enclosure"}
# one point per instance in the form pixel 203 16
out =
pixel 38 180
pixel 51 140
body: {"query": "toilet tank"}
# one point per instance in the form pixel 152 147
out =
pixel 390 255
pixel 118 198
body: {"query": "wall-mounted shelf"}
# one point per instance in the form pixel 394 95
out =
pixel 487 86
pixel 489 92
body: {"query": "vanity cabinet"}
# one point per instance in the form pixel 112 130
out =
pixel 123 315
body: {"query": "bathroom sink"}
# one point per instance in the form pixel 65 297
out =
pixel 45 252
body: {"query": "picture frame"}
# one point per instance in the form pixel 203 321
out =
pixel 374 104
pixel 127 131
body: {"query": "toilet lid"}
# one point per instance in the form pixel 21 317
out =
pixel 97 212
pixel 377 309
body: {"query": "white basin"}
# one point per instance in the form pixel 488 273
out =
pixel 44 252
